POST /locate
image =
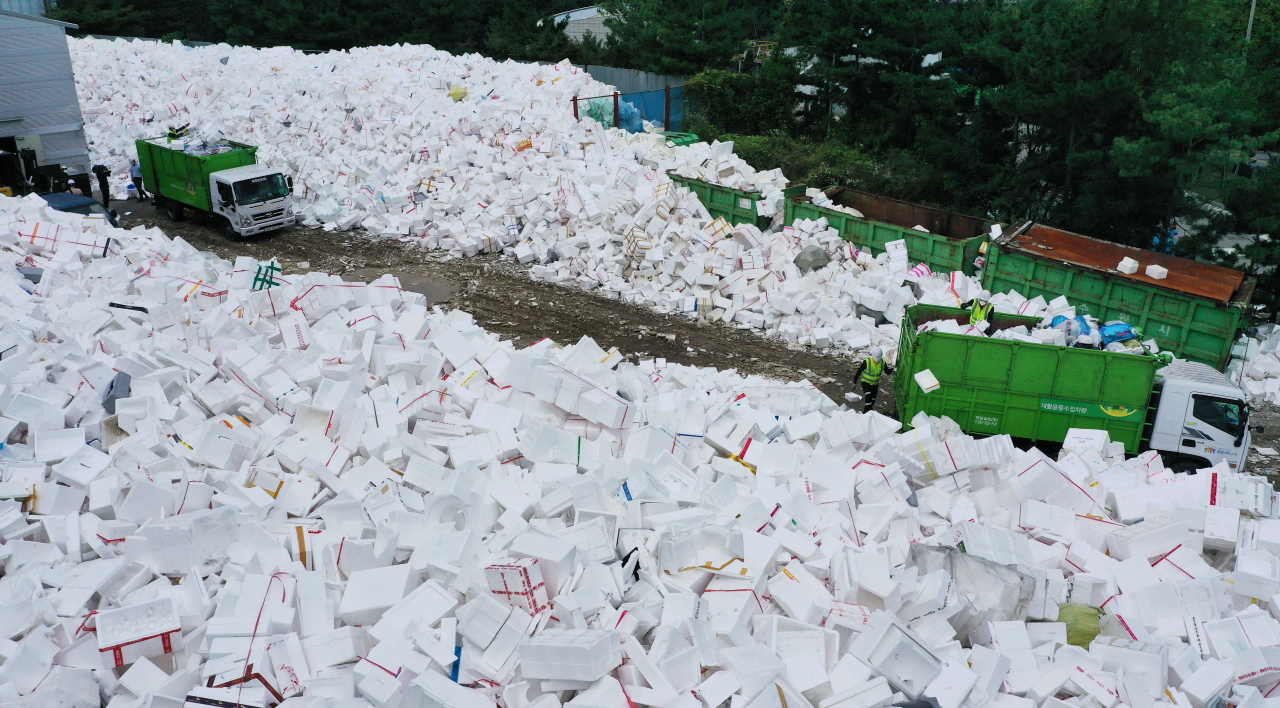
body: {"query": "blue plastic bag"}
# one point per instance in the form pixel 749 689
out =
pixel 1117 332
pixel 1084 325
pixel 630 118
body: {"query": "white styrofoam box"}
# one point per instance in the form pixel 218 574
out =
pixel 336 646
pixel 575 655
pixel 952 685
pixel 81 467
pixel 57 445
pixel 1212 679
pixel 480 619
pixel 1256 574
pixel 1128 266
pixel 143 677
pixel 146 629
pixel 897 653
pixel 555 558
pixel 927 381
pixel 1149 660
pixel 371 592
pixel 520 583
pixel 1157 272
pixel 1146 539
pixel 1221 528
pixel 1085 439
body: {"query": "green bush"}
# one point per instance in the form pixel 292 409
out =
pixel 833 164
pixel 742 103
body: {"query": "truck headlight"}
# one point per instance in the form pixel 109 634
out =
pixel 245 220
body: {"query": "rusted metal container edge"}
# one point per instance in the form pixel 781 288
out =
pixel 1185 276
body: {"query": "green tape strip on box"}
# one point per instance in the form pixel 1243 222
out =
pixel 1082 623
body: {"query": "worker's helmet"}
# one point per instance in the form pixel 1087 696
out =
pixel 984 296
pixel 877 353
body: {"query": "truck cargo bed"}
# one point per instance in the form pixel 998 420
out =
pixel 170 173
pixel 1035 391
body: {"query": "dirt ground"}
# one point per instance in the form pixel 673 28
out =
pixel 500 295
pixel 1268 417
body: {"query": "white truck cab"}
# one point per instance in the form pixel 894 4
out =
pixel 1202 418
pixel 253 198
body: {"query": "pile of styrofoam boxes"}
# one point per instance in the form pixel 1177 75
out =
pixel 717 164
pixel 330 494
pixel 374 140
pixel 676 259
pixel 1257 370
pixel 362 131
pixel 820 199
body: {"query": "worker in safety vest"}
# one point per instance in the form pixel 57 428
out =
pixel 869 373
pixel 981 308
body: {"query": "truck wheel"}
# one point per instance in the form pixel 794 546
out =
pixel 1188 465
pixel 229 231
pixel 174 210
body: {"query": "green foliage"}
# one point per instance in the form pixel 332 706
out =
pixel 682 37
pixel 110 17
pixel 341 24
pixel 1243 231
pixel 833 163
pixel 864 59
pixel 743 103
pixel 524 31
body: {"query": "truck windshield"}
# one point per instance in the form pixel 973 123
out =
pixel 1222 414
pixel 261 189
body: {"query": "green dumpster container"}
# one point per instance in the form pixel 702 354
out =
pixel 1036 391
pixel 734 205
pixel 680 139
pixel 1196 312
pixel 953 241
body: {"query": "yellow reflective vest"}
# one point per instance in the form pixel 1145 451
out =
pixel 871 374
pixel 980 311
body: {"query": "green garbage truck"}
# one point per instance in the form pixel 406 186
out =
pixel 221 181
pixel 1195 311
pixel 1189 412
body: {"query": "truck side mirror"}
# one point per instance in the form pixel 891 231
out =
pixel 289 181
